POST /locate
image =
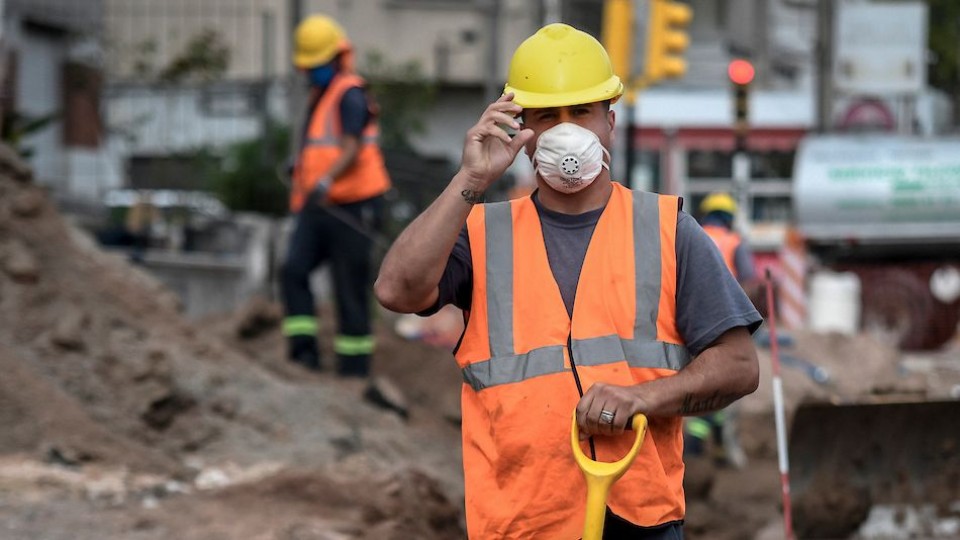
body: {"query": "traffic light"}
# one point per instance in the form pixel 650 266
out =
pixel 666 40
pixel 741 74
pixel 617 36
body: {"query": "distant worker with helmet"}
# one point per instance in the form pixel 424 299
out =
pixel 338 183
pixel 582 296
pixel 717 213
pixel 717 431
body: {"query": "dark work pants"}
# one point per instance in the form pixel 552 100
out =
pixel 325 234
pixel 616 528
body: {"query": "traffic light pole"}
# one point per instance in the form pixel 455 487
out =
pixel 741 74
pixel 631 133
pixel 664 43
pixel 741 189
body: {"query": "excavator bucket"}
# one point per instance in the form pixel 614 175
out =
pixel 847 460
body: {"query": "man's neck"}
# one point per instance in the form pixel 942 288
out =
pixel 590 198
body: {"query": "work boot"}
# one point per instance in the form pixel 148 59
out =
pixel 353 365
pixel 303 350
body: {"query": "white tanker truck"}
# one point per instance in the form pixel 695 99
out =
pixel 887 209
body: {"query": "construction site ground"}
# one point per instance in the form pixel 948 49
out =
pixel 120 418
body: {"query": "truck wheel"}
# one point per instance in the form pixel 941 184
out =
pixel 897 307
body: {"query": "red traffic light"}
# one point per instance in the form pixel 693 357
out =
pixel 740 72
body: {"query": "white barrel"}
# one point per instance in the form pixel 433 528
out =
pixel 834 302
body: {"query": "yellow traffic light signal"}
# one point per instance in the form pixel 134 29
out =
pixel 617 36
pixel 666 40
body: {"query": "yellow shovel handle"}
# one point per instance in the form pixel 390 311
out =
pixel 600 476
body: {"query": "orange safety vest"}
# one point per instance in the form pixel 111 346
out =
pixel 727 242
pixel 366 178
pixel 522 358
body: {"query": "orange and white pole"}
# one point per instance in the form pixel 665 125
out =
pixel 783 461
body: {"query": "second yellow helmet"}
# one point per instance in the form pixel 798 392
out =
pixel 718 202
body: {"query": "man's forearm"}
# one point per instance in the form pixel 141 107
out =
pixel 718 376
pixel 414 265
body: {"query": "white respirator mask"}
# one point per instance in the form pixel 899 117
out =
pixel 569 157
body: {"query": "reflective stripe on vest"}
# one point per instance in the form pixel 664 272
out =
pixel 643 351
pixel 334 140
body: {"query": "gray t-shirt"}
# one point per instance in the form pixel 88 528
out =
pixel 709 299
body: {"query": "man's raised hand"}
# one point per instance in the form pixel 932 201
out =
pixel 489 149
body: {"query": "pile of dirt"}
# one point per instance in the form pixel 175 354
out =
pixel 103 373
pixel 853 369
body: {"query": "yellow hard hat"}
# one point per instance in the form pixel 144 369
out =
pixel 718 202
pixel 317 40
pixel 559 66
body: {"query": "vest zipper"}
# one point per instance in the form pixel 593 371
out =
pixel 576 378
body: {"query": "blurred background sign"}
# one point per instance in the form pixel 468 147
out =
pixel 878 188
pixel 880 48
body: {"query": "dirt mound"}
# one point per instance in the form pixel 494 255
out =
pixel 40 419
pixel 306 505
pixel 427 375
pixel 102 370
pixel 852 369
pixel 76 362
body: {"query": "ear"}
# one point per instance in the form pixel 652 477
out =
pixel 612 119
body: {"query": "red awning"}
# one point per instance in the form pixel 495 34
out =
pixel 720 139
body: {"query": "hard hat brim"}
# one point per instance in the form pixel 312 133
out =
pixel 610 89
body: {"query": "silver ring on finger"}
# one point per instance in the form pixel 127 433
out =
pixel 606 417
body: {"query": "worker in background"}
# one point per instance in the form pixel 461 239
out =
pixel 717 212
pixel 717 431
pixel 583 296
pixel 338 184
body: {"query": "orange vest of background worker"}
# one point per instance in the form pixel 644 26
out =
pixel 321 148
pixel 727 242
pixel 518 350
pixel 337 186
pixel 717 212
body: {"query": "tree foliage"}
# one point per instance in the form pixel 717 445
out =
pixel 205 57
pixel 404 94
pixel 252 174
pixel 17 126
pixel 944 44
